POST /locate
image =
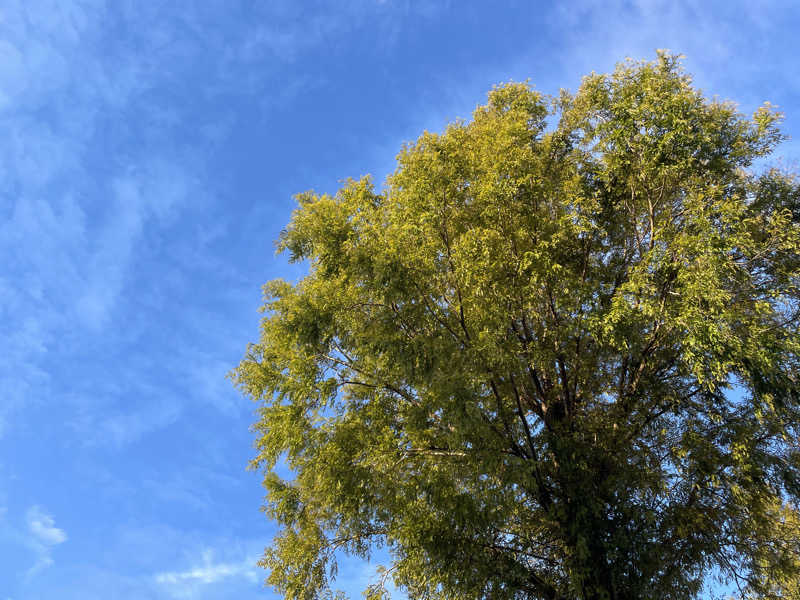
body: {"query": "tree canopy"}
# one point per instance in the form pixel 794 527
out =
pixel 554 357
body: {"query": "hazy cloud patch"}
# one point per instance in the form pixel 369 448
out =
pixel 185 583
pixel 44 536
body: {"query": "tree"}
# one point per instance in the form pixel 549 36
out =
pixel 549 360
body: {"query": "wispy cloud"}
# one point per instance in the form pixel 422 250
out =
pixel 69 267
pixel 79 188
pixel 184 584
pixel 103 157
pixel 44 536
pixel 43 527
pixel 595 35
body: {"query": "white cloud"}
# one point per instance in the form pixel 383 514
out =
pixel 184 584
pixel 44 527
pixel 44 535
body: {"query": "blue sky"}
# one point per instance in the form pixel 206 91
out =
pixel 150 153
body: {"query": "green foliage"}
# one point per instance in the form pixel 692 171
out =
pixel 550 359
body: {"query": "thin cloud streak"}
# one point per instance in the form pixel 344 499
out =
pixel 187 583
pixel 44 536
